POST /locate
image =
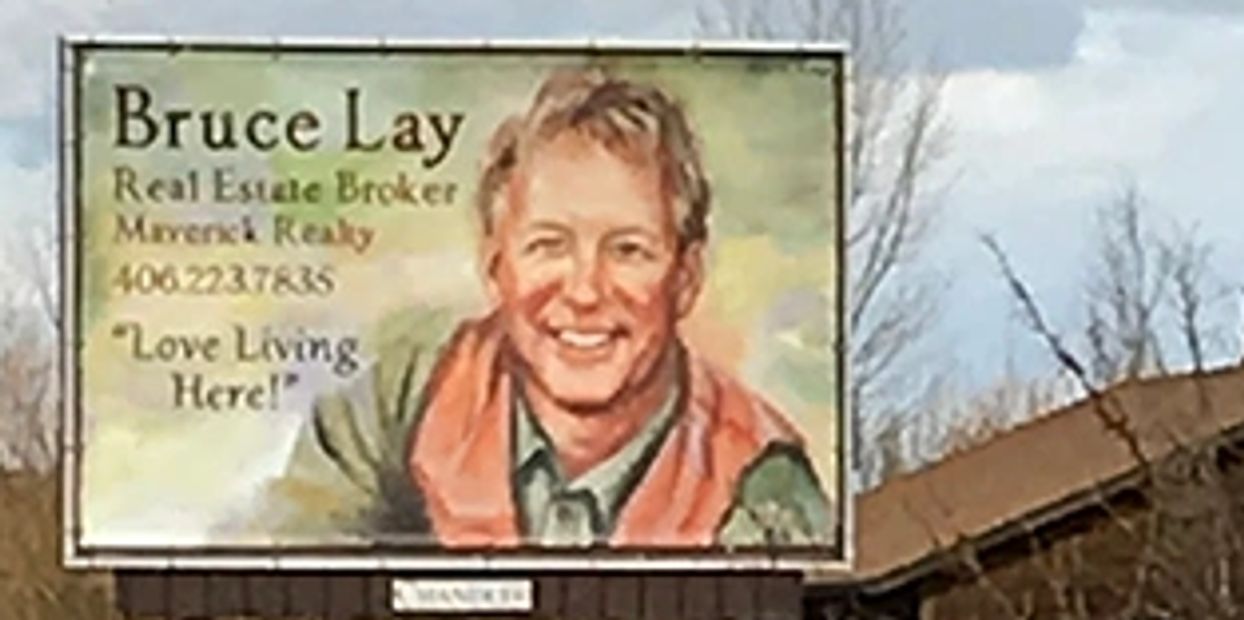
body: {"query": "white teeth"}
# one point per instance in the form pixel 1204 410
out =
pixel 583 340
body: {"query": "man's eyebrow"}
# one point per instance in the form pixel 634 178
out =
pixel 547 226
pixel 624 231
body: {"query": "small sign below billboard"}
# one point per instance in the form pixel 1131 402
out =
pixel 455 595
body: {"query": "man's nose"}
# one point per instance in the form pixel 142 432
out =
pixel 584 284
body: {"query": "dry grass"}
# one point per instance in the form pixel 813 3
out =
pixel 33 586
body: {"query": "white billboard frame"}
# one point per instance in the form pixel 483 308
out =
pixel 525 560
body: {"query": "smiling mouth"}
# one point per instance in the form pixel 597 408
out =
pixel 585 339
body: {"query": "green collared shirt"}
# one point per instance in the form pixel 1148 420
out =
pixel 579 512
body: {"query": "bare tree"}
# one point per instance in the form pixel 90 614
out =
pixel 897 133
pixel 1149 289
pixel 1126 285
pixel 28 357
pixel 1187 260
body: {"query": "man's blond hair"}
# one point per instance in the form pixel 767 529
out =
pixel 636 122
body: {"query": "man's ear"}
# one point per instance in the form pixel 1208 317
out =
pixel 489 261
pixel 689 278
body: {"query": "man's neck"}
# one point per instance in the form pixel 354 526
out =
pixel 585 438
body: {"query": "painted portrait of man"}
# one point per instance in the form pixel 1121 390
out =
pixel 571 413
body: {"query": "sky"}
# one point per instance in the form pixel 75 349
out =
pixel 1052 105
pixel 1137 93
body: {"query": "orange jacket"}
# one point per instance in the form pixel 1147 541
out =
pixel 460 456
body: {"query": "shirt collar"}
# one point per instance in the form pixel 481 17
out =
pixel 607 480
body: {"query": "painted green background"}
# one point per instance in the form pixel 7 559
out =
pixel 156 477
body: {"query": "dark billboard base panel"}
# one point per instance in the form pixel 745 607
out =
pixel 698 596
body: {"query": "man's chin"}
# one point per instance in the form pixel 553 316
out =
pixel 584 401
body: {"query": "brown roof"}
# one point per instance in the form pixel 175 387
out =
pixel 1036 469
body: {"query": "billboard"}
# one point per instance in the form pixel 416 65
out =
pixel 453 305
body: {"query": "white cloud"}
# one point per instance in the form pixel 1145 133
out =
pixel 1123 107
pixel 1112 108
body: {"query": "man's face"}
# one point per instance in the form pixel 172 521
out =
pixel 585 267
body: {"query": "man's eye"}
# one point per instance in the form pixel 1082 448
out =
pixel 631 251
pixel 545 245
